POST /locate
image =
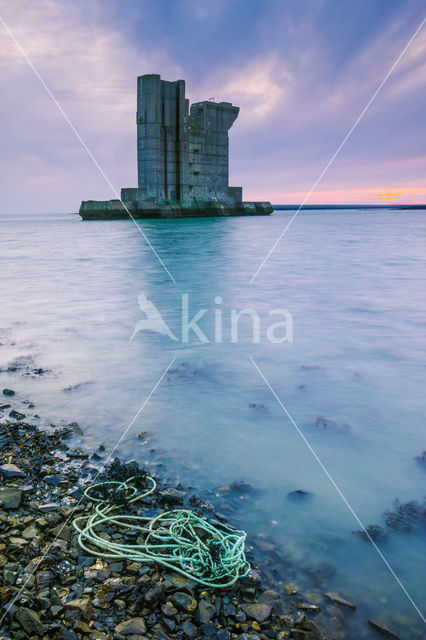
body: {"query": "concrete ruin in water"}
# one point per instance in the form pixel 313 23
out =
pixel 183 160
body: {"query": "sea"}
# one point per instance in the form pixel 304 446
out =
pixel 292 397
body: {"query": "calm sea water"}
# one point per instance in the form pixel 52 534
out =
pixel 354 282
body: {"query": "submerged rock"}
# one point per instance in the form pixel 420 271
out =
pixel 373 531
pixel 8 392
pixel 298 494
pixel 331 425
pixel 16 415
pixel 383 628
pixel 334 597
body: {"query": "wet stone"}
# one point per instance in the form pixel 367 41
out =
pixel 82 605
pixel 52 480
pixel 8 392
pixel 169 610
pixel 11 471
pixel 189 630
pixel 29 621
pixel 10 497
pixel 16 415
pixel 383 628
pixel 184 602
pixel 206 611
pixel 131 627
pixel 257 610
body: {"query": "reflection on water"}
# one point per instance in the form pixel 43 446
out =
pixel 352 380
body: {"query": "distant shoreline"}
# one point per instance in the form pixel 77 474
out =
pixel 292 207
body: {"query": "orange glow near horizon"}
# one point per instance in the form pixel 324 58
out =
pixel 409 195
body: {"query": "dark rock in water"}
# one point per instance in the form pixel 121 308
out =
pixel 320 571
pixel 256 405
pixel 241 487
pixel 374 531
pixel 422 458
pixel 405 516
pixel 331 425
pixel 259 611
pixel 78 385
pixel 383 628
pixel 298 494
pixel 334 597
pixel 5 406
pixel 16 415
pixel 8 392
pixel 132 627
pixel 311 630
pixel 10 497
pixel 144 435
pixel 29 621
pixel 11 471
pixel 274 599
pixel 171 496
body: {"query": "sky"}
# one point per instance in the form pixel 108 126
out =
pixel 301 71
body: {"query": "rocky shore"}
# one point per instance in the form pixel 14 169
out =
pixel 51 589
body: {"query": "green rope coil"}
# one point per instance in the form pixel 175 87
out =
pixel 207 552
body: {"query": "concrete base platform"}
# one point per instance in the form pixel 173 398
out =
pixel 114 210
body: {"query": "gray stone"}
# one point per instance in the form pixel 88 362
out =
pixel 11 471
pixel 10 497
pixel 206 611
pixel 189 630
pixel 259 611
pixel 50 506
pixel 132 627
pixel 168 609
pixel 154 594
pixel 274 599
pixel 184 602
pixel 8 392
pixel 29 621
pixel 82 605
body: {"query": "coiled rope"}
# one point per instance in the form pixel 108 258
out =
pixel 207 552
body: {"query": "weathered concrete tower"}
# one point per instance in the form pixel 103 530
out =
pixel 183 159
pixel 161 119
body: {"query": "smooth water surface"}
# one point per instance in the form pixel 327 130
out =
pixel 354 283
